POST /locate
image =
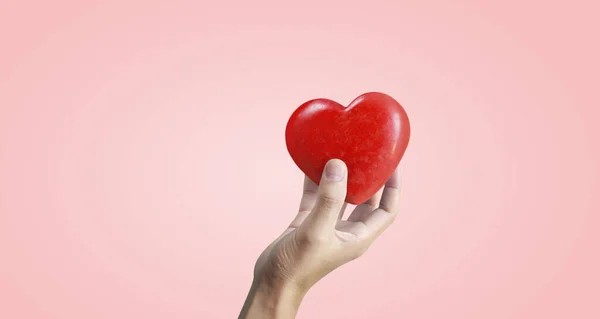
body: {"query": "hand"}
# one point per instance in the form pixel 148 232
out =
pixel 317 242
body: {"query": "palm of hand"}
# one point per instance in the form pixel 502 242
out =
pixel 319 240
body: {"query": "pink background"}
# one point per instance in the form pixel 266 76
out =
pixel 143 165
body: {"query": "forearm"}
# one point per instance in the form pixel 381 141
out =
pixel 267 302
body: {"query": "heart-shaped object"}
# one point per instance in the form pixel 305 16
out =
pixel 370 136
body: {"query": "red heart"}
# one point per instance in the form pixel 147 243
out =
pixel 370 136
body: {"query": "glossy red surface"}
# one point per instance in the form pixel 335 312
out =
pixel 370 136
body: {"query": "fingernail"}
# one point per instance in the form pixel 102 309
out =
pixel 335 171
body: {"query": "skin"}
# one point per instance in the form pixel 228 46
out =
pixel 316 242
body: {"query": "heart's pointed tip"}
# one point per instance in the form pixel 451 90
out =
pixel 355 199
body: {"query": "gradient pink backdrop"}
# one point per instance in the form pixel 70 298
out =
pixel 143 165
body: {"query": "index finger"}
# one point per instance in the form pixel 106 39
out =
pixel 309 195
pixel 307 202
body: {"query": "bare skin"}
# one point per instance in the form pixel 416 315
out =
pixel 316 242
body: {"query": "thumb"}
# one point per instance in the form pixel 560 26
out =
pixel 330 199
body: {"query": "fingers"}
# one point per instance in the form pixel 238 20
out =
pixel 388 209
pixel 390 199
pixel 342 211
pixel 309 195
pixel 361 211
pixel 307 202
pixel 330 199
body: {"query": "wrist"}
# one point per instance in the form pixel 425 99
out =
pixel 272 300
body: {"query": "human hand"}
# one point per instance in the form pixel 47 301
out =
pixel 318 241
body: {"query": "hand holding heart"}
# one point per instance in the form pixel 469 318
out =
pixel 318 241
pixel 347 154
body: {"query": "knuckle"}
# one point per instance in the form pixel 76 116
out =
pixel 308 192
pixel 371 206
pixel 390 207
pixel 329 201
